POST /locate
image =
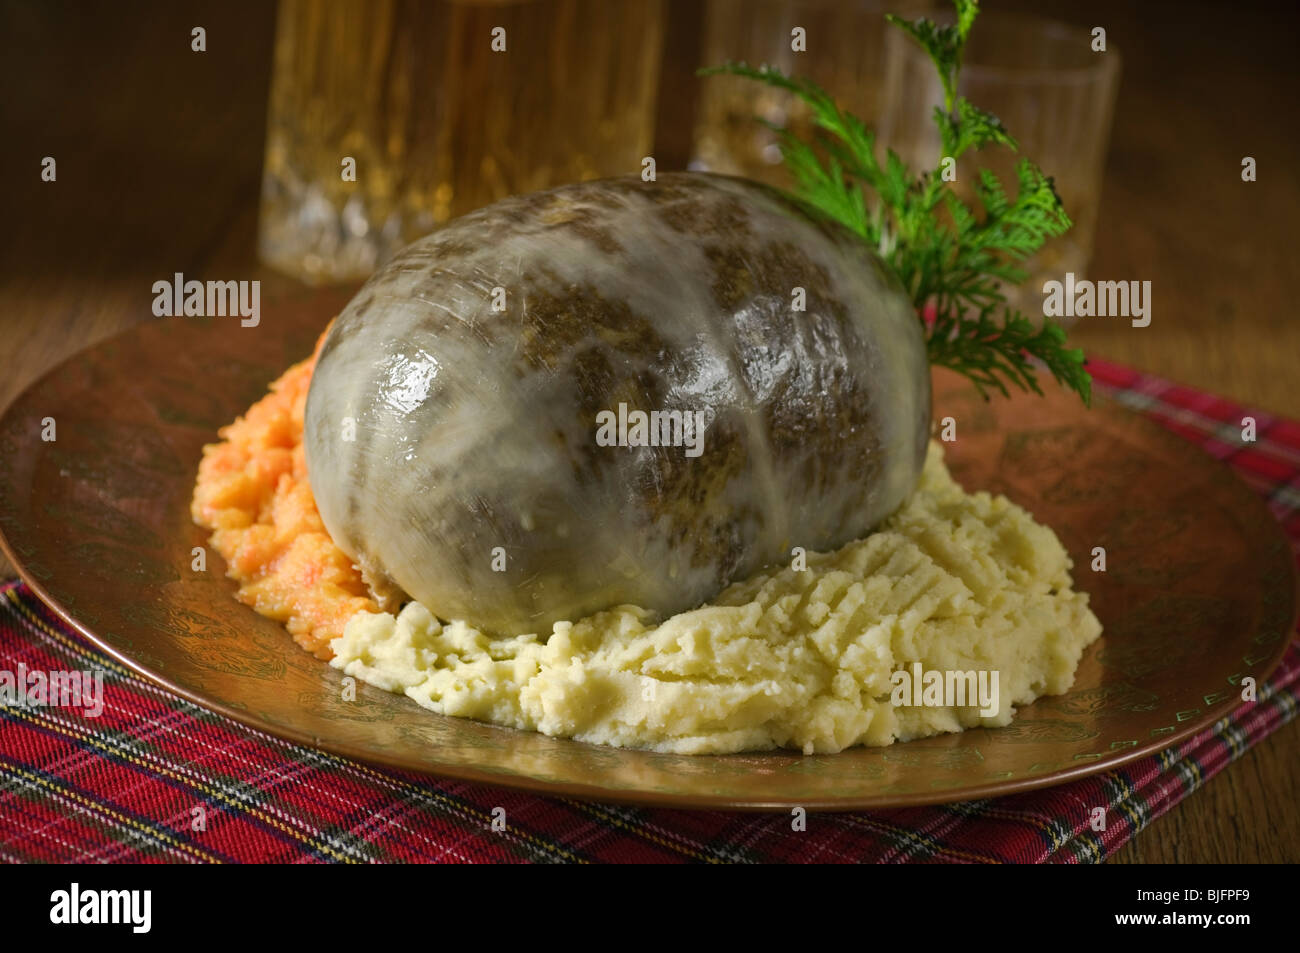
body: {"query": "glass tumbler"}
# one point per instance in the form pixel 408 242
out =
pixel 1055 95
pixel 388 117
pixel 843 53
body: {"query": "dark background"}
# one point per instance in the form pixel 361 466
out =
pixel 159 154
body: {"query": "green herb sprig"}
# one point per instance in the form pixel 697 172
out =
pixel 949 256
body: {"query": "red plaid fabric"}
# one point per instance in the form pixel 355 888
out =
pixel 127 785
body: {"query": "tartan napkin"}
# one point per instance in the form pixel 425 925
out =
pixel 124 786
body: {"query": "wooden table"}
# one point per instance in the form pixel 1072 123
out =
pixel 159 153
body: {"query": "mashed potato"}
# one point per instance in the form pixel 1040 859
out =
pixel 798 658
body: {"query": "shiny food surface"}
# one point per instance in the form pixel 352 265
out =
pixel 1200 590
pixel 452 423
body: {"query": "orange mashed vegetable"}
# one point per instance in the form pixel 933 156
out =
pixel 252 492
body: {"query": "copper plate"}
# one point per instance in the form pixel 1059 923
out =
pixel 1199 589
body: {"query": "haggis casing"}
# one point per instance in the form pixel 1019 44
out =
pixel 464 435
